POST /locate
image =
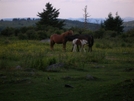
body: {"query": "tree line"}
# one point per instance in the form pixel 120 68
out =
pixel 49 23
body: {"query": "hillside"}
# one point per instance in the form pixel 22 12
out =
pixel 74 23
pixel 68 24
pixel 17 24
pixel 26 23
pixel 128 25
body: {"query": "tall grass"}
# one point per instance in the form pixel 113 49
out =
pixel 35 54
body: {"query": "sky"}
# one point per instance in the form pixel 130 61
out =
pixel 67 8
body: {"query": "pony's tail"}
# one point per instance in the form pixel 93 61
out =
pixel 92 40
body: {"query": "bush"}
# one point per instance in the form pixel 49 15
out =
pixel 22 36
pixel 130 33
pixel 31 34
pixel 51 30
pixel 103 46
pixel 99 34
pixel 8 31
pixel 51 61
pixel 124 35
pixel 42 34
pixel 109 34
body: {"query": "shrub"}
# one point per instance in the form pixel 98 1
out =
pixel 99 34
pixel 130 33
pixel 109 34
pixel 51 61
pixel 124 35
pixel 8 31
pixel 22 36
pixel 31 34
pixel 51 30
pixel 42 34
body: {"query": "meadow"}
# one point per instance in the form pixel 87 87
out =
pixel 105 74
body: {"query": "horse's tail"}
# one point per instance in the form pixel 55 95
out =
pixel 92 40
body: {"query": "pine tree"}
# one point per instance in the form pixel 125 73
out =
pixel 113 24
pixel 118 23
pixel 109 23
pixel 49 17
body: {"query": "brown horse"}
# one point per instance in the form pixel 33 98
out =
pixel 59 39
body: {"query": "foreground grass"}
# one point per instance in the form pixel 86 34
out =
pixel 106 74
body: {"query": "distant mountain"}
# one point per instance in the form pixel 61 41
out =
pixel 128 19
pixel 99 20
pixel 89 20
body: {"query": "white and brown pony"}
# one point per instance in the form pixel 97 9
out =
pixel 59 39
pixel 79 42
pixel 81 39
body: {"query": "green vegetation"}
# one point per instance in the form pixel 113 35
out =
pixel 106 74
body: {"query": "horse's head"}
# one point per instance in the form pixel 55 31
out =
pixel 70 32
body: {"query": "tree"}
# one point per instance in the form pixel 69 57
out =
pixel 85 16
pixel 49 17
pixel 113 24
pixel 118 23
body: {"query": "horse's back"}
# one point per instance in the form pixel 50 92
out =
pixel 56 38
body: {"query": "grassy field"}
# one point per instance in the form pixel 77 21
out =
pixel 106 74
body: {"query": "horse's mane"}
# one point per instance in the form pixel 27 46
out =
pixel 67 32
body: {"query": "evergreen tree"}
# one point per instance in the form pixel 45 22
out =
pixel 113 24
pixel 49 17
pixel 118 24
pixel 109 23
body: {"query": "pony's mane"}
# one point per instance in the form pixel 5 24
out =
pixel 65 33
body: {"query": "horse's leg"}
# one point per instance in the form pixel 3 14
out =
pixel 77 47
pixel 52 44
pixel 90 49
pixel 81 48
pixel 84 49
pixel 72 48
pixel 64 46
